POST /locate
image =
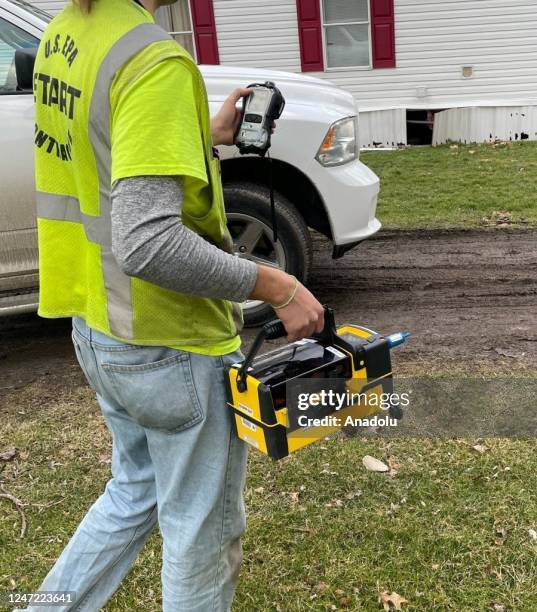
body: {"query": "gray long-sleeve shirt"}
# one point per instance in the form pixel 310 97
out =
pixel 150 242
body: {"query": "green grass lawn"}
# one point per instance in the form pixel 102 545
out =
pixel 456 185
pixel 450 530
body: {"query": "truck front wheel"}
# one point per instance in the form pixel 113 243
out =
pixel 249 222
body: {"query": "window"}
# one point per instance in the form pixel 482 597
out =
pixel 11 39
pixel 346 33
pixel 177 20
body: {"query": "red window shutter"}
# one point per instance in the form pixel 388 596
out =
pixel 204 31
pixel 309 35
pixel 383 33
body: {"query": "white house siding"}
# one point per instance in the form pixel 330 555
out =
pixel 434 40
pixel 481 124
pixel 260 33
pixel 384 127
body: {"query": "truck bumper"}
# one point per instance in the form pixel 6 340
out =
pixel 350 194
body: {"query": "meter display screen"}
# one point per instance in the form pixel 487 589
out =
pixel 257 101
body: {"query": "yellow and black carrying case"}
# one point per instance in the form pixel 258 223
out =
pixel 263 390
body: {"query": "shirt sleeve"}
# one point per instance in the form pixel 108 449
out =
pixel 154 125
pixel 150 242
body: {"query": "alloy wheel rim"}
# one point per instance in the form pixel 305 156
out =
pixel 253 239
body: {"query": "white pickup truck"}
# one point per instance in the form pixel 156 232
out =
pixel 319 181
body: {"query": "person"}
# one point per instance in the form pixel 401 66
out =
pixel 134 247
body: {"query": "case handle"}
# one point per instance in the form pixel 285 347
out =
pixel 275 329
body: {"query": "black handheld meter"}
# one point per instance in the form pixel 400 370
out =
pixel 264 105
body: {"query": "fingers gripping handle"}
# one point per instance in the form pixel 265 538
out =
pixel 329 332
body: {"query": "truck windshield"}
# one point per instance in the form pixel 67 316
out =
pixel 43 15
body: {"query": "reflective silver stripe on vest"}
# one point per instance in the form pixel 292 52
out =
pixel 66 208
pixel 98 229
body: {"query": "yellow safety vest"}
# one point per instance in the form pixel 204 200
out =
pixel 77 60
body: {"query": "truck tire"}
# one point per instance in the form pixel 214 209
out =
pixel 249 222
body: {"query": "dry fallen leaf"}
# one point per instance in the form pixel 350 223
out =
pixel 335 503
pixel 391 601
pixel 496 607
pixel 480 448
pixel 533 534
pixel 394 466
pixel 374 465
pixel 321 587
pixel 260 490
pixel 500 218
pixel 8 454
pixel 393 508
pixel 293 496
pixel 501 534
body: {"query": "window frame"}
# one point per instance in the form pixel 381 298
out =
pixel 324 45
pixel 191 32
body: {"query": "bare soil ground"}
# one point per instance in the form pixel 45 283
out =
pixel 468 297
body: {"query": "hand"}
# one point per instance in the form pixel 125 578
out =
pixel 303 316
pixel 225 123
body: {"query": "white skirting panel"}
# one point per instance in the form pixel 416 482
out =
pixel 485 124
pixel 382 128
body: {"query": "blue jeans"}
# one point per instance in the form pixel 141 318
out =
pixel 175 461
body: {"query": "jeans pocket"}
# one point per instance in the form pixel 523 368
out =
pixel 79 352
pixel 158 394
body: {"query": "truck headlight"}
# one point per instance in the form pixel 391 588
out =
pixel 340 143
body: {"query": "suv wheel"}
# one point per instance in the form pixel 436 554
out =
pixel 249 222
